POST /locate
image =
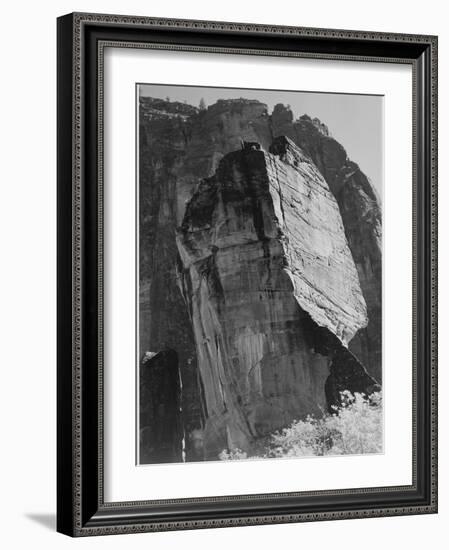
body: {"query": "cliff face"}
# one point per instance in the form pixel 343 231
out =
pixel 179 145
pixel 164 133
pixel 272 290
pixel 272 306
pixel 361 216
pixel 215 132
pixel 161 428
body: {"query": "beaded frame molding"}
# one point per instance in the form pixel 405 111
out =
pixel 82 37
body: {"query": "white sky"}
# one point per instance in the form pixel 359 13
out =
pixel 354 120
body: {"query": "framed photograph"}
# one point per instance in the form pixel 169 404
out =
pixel 247 274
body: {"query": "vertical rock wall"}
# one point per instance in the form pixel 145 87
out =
pixel 163 318
pixel 361 215
pixel 272 290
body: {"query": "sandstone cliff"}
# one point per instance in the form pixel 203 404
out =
pixel 179 145
pixel 360 211
pixel 272 290
pixel 305 244
pixel 164 133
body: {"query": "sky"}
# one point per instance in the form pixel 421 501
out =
pixel 354 120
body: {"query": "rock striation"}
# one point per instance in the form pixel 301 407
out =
pixel 178 145
pixel 164 134
pixel 272 291
pixel 309 250
pixel 361 215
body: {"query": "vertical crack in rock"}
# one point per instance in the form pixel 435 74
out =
pixel 273 294
pixel 164 135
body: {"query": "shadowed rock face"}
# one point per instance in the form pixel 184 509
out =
pixel 161 429
pixel 272 290
pixel 164 135
pixel 180 146
pixel 345 374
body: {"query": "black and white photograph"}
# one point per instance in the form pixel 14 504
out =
pixel 259 276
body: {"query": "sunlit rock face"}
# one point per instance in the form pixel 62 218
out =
pixel 361 215
pixel 272 291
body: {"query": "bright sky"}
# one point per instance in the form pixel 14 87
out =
pixel 355 120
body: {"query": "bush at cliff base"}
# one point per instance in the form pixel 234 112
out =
pixel 355 428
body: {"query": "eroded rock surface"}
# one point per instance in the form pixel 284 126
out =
pixel 361 215
pixel 272 290
pixel 163 318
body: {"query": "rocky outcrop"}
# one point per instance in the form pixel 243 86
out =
pixel 179 146
pixel 361 215
pixel 272 291
pixel 215 132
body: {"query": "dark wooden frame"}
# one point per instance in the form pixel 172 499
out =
pixel 81 509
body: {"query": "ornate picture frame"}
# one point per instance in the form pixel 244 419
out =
pixel 82 509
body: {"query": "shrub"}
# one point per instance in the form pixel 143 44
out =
pixel 355 428
pixel 236 454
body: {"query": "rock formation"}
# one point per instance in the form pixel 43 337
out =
pixel 164 132
pixel 361 215
pixel 272 290
pixel 276 283
pixel 179 145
